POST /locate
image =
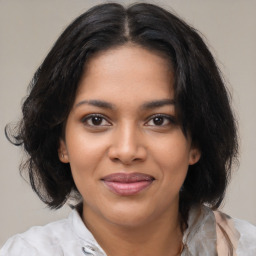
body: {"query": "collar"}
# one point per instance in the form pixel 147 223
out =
pixel 200 237
pixel 89 245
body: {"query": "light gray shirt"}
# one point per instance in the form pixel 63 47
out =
pixel 208 234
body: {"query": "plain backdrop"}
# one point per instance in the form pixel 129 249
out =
pixel 28 28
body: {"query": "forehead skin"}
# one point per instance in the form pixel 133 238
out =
pixel 116 60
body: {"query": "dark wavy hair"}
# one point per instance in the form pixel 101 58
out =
pixel 202 101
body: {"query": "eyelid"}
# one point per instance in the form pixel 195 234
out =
pixel 170 118
pixel 87 117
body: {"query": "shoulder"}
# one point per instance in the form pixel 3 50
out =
pixel 247 239
pixel 238 233
pixel 40 240
pixel 17 245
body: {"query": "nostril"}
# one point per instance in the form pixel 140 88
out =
pixel 126 154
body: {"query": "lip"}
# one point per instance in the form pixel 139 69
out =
pixel 127 184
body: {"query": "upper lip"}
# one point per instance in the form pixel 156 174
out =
pixel 128 177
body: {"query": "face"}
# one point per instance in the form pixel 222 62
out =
pixel 127 153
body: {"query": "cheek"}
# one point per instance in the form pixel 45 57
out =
pixel 85 156
pixel 172 159
pixel 85 152
pixel 172 152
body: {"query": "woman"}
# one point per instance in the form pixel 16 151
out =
pixel 129 115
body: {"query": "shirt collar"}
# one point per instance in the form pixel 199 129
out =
pixel 200 238
pixel 88 242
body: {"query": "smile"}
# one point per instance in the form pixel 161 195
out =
pixel 125 184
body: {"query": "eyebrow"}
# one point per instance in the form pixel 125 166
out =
pixel 148 105
pixel 96 103
pixel 158 103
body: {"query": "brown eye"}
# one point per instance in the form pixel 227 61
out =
pixel 160 120
pixel 95 120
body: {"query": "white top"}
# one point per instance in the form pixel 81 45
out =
pixel 208 233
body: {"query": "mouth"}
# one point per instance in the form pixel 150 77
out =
pixel 127 184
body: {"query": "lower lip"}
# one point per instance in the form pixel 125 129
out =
pixel 127 189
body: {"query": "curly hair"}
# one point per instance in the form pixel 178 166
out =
pixel 203 102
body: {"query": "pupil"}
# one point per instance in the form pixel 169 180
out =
pixel 158 120
pixel 96 120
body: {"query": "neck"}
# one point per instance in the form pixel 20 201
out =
pixel 159 237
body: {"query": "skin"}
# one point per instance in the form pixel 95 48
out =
pixel 128 139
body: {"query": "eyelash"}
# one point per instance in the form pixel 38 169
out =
pixel 171 120
pixel 88 117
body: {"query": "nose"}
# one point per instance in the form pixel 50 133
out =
pixel 127 146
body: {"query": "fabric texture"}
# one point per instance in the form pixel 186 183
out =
pixel 208 234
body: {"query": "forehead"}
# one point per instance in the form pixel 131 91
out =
pixel 130 71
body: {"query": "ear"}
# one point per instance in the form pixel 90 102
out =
pixel 194 156
pixel 62 152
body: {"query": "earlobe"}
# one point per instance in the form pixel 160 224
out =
pixel 62 152
pixel 194 156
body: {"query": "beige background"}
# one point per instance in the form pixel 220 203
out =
pixel 28 28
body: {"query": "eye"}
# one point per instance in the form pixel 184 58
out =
pixel 160 120
pixel 95 120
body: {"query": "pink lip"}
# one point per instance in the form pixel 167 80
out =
pixel 126 184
